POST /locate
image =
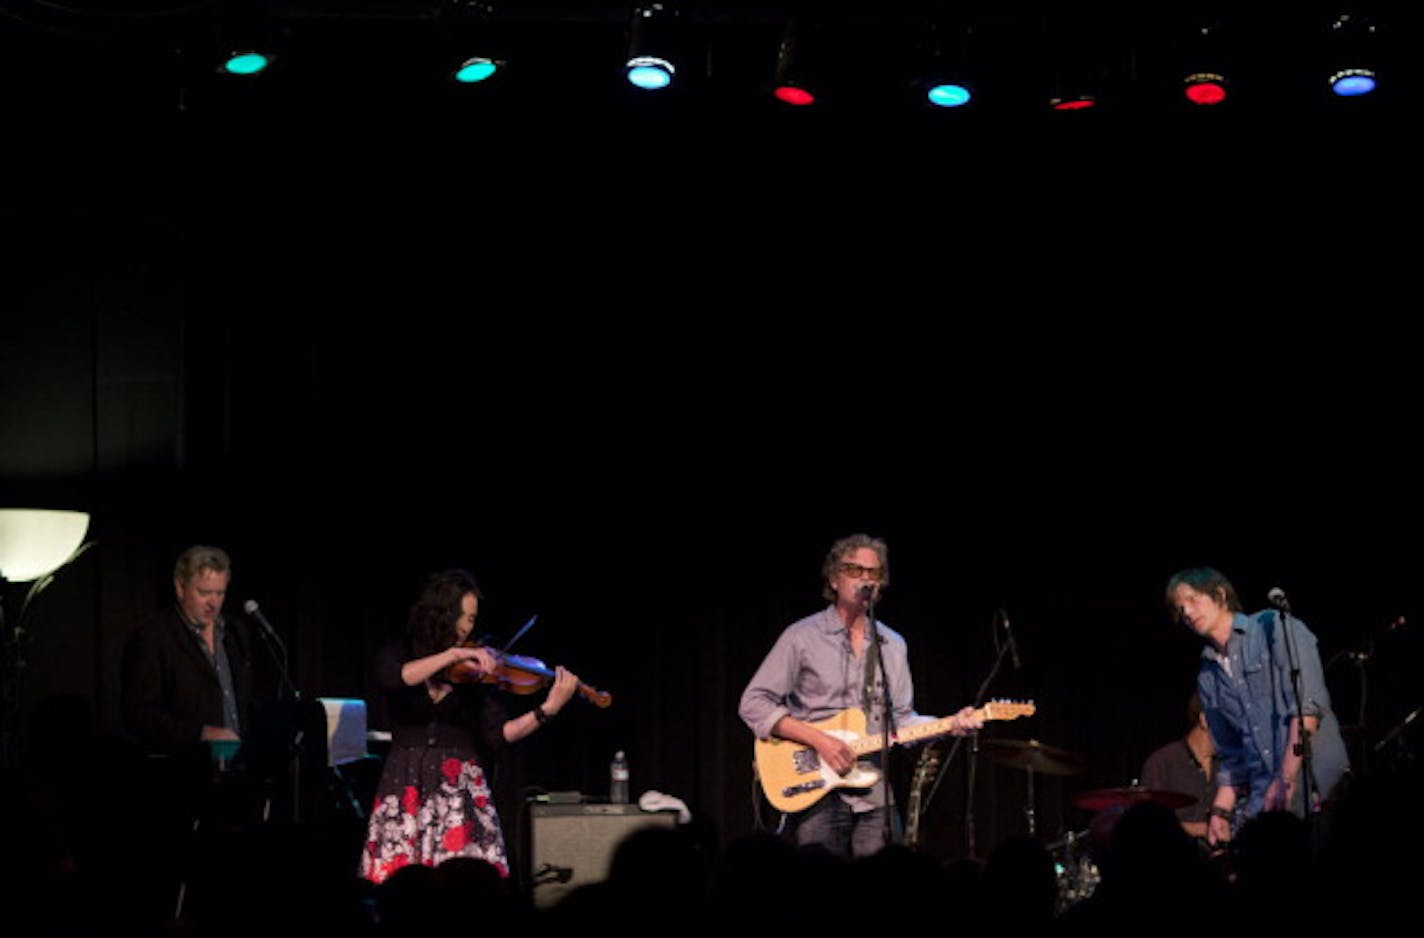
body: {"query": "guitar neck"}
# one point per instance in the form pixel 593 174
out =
pixel 907 734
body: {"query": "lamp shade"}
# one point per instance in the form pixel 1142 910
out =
pixel 35 543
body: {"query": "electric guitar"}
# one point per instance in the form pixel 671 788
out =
pixel 793 777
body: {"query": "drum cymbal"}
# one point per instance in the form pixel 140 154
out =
pixel 1032 754
pixel 1102 798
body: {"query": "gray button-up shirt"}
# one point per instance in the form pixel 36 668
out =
pixel 812 674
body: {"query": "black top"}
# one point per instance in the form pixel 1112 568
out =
pixel 469 717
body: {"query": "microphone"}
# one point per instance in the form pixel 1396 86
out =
pixel 275 646
pixel 1013 645
pixel 1277 597
pixel 250 607
pixel 867 592
pixel 1368 652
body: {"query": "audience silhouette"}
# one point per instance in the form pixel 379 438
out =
pixel 1277 872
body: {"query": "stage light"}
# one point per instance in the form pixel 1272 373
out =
pixel 467 43
pixel 1072 89
pixel 945 70
pixel 246 62
pixel 1077 55
pixel 34 543
pixel 949 94
pixel 1205 88
pixel 653 37
pixel 801 68
pixel 243 41
pixel 1353 82
pixel 474 70
pixel 1072 102
pixel 1353 51
pixel 1204 81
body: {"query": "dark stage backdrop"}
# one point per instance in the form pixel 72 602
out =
pixel 640 399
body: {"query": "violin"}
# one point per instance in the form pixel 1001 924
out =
pixel 518 674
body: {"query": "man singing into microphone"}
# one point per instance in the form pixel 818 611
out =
pixel 821 666
pixel 1248 696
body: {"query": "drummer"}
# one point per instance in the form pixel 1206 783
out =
pixel 1186 765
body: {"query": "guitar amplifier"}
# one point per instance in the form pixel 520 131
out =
pixel 573 844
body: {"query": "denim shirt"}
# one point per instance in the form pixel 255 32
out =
pixel 812 674
pixel 1248 699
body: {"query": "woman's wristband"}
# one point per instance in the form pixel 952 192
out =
pixel 541 717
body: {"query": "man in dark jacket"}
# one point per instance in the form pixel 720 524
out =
pixel 187 672
pixel 186 695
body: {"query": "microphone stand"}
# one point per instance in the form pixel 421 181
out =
pixel 278 650
pixel 295 740
pixel 1360 659
pixel 876 661
pixel 1307 767
pixel 969 832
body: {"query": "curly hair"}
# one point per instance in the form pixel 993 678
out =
pixel 431 626
pixel 842 549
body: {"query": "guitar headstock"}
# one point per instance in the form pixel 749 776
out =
pixel 1008 709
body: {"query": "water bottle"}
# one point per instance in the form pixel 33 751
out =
pixel 618 778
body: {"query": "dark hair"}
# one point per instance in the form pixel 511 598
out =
pixel 1194 710
pixel 1204 580
pixel 844 548
pixel 431 626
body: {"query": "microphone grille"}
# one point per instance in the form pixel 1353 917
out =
pixel 250 606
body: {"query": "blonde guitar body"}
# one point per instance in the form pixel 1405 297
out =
pixel 794 778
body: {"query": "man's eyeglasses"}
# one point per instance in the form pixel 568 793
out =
pixel 856 570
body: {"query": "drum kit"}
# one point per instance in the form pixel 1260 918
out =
pixel 1078 873
pixel 1034 758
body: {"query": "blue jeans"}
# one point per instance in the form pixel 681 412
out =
pixel 832 824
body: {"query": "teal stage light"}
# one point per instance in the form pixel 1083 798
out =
pixel 654 45
pixel 475 70
pixel 949 95
pixel 649 72
pixel 247 62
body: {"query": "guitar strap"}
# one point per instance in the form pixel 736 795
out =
pixel 872 704
pixel 867 692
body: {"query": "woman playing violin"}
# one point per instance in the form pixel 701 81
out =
pixel 433 800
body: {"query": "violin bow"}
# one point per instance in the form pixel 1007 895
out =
pixel 510 644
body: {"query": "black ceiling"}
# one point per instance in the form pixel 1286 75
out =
pixel 576 47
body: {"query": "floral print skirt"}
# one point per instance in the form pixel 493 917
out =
pixel 431 804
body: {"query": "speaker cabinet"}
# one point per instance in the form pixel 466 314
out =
pixel 572 844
